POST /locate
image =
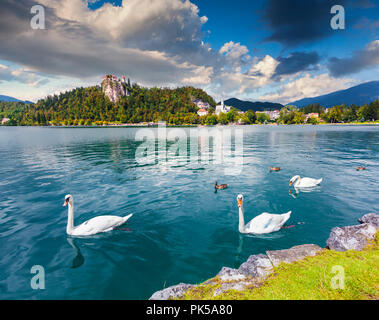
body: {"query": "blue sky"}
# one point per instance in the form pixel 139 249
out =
pixel 270 50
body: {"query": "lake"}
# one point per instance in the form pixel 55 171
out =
pixel 181 230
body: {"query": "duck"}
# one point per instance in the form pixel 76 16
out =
pixel 261 224
pixel 274 168
pixel 93 226
pixel 304 182
pixel 220 186
pixel 360 168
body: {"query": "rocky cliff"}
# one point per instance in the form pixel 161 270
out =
pixel 114 88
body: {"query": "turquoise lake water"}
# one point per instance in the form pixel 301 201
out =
pixel 181 230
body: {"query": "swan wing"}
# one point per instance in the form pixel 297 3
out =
pixel 267 222
pixel 308 182
pixel 99 224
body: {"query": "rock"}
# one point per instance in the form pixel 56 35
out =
pixel 293 254
pixel 372 218
pixel 171 292
pixel 257 265
pixel 113 88
pixel 229 274
pixel 351 237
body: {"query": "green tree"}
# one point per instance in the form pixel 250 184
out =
pixel 299 118
pixel 223 118
pixel 211 119
pixel 231 115
pixel 262 117
pixel 251 115
pixel 335 114
pixel 313 120
pixel 287 114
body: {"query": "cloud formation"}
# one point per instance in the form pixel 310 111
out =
pixel 307 86
pixel 21 76
pixel 296 62
pixel 160 43
pixel 294 22
pixel 360 60
pixel 79 42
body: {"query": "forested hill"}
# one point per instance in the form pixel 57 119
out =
pixel 255 106
pixel 86 106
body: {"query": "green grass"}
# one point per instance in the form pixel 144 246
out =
pixel 310 278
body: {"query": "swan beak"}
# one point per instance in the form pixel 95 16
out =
pixel 291 183
pixel 65 203
pixel 240 202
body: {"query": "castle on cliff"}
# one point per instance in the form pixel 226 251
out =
pixel 114 88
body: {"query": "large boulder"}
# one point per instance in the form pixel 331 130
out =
pixel 257 265
pixel 171 292
pixel 351 237
pixel 372 218
pixel 293 254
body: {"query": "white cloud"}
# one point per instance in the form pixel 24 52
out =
pixel 145 24
pixel 307 86
pixel 152 42
pixel 201 76
pixel 235 53
pixel 232 80
pixel 22 76
pixel 374 45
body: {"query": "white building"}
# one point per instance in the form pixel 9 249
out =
pixel 311 115
pixel 5 120
pixel 272 114
pixel 221 108
pixel 201 104
pixel 202 112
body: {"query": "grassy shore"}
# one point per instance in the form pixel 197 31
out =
pixel 310 278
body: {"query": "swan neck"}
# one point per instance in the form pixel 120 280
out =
pixel 241 225
pixel 70 220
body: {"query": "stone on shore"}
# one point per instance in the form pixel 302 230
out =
pixel 256 266
pixel 351 237
pixel 293 254
pixel 230 274
pixel 171 292
pixel 372 218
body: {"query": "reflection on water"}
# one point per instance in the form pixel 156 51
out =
pixel 307 190
pixel 79 259
pixel 183 231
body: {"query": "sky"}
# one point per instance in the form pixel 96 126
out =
pixel 261 50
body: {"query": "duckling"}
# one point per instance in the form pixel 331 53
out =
pixel 360 168
pixel 220 186
pixel 274 168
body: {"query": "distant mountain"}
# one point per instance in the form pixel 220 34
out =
pixel 11 99
pixel 255 106
pixel 358 95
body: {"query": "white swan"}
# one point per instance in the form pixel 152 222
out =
pixel 264 223
pixel 304 182
pixel 92 226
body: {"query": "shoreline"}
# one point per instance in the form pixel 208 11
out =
pixel 261 270
pixel 156 125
